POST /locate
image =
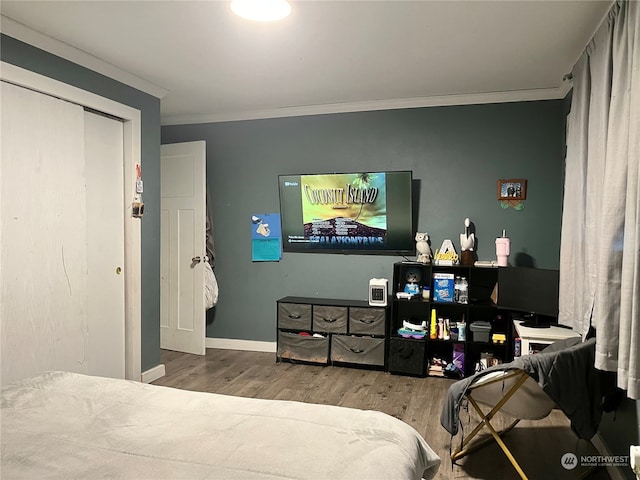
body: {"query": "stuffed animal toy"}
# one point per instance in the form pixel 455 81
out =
pixel 423 248
pixel 413 282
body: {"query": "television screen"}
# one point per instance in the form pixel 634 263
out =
pixel 359 213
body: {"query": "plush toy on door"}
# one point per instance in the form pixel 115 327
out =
pixel 423 248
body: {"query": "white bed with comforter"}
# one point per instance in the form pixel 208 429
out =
pixel 67 425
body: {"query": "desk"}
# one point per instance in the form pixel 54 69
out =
pixel 532 337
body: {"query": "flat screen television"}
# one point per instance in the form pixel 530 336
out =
pixel 531 291
pixel 352 213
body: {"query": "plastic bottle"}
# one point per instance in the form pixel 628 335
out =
pixel 447 329
pixel 426 292
pixel 440 329
pixel 462 330
pixel 433 329
pixel 464 291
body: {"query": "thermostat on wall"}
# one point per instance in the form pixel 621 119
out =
pixel 378 290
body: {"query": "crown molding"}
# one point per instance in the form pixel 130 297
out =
pixel 56 47
pixel 394 104
pixel 49 44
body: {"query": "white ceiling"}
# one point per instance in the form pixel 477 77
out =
pixel 327 56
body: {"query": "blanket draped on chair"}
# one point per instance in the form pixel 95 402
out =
pixel 564 370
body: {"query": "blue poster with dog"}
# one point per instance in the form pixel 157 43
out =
pixel 266 238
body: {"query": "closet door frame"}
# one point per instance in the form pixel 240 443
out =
pixel 131 118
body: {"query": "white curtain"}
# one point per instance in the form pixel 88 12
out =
pixel 600 245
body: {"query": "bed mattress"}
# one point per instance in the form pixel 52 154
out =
pixel 67 425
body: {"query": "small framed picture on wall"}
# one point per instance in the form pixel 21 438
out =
pixel 512 189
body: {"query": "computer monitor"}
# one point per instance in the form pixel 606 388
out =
pixel 531 291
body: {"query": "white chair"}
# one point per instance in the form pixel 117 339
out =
pixel 512 392
pixel 563 375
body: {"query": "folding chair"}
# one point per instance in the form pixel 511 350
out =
pixel 512 392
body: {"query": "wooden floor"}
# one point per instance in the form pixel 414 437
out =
pixel 538 445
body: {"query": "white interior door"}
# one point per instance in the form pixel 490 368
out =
pixel 54 241
pixel 182 247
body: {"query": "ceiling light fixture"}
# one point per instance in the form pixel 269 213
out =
pixel 261 10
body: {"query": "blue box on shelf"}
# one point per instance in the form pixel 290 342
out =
pixel 443 287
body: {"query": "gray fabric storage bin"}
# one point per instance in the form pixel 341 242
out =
pixel 364 350
pixel 292 346
pixel 367 321
pixel 295 316
pixel 329 319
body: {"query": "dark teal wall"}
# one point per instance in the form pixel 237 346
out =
pixel 457 153
pixel 30 58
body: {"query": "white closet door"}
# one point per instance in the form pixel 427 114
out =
pixel 105 244
pixel 43 247
pixel 44 254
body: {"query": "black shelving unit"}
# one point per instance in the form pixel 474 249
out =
pixel 410 356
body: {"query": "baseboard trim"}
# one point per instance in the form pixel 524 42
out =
pixel 153 374
pixel 236 344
